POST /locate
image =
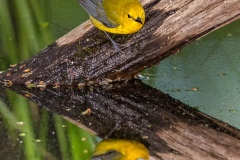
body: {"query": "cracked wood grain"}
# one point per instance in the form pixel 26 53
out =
pixel 85 55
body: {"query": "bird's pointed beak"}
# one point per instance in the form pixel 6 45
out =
pixel 139 20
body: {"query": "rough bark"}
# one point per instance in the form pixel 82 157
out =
pixel 85 55
pixel 169 128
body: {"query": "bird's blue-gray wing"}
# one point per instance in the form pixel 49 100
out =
pixel 96 10
pixel 108 155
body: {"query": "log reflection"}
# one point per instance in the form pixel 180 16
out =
pixel 169 128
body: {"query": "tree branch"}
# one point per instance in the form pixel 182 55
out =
pixel 85 55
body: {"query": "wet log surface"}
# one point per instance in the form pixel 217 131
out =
pixel 85 55
pixel 169 128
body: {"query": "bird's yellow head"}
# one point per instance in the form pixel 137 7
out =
pixel 134 16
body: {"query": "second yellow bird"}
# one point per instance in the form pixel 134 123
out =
pixel 115 16
pixel 120 149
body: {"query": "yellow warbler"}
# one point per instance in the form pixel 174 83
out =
pixel 118 149
pixel 115 16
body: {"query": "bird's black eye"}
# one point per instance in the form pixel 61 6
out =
pixel 129 16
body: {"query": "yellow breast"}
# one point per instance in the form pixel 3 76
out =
pixel 127 15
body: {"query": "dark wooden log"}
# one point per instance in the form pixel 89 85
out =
pixel 85 55
pixel 169 128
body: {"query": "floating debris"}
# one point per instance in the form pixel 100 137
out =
pixel 81 85
pixel 141 77
pixel 20 123
pixel 85 151
pixel 22 66
pixel 41 84
pixel 90 83
pixel 24 75
pixel 194 89
pixel 64 126
pixel 27 70
pixel 28 95
pixel 31 86
pixel 175 90
pixel 9 74
pixel 22 134
pixel 106 81
pixel 13 65
pixel 87 111
pixel 107 87
pixel 8 83
pixel 27 82
pixel 56 85
pixel 222 74
pixel 37 140
pixel 144 137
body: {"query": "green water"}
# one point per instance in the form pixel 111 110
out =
pixel 205 75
